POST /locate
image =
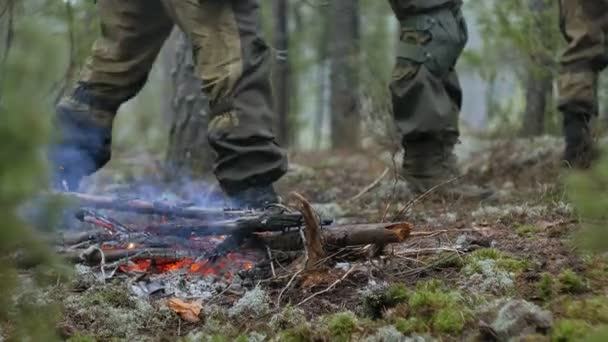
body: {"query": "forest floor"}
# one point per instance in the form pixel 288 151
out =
pixel 500 269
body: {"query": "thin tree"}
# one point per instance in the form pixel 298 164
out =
pixel 344 74
pixel 188 153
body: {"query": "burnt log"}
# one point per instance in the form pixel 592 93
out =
pixel 337 237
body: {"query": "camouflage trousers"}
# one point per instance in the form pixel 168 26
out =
pixel 584 24
pixel 426 92
pixel 232 60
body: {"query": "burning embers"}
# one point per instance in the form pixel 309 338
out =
pixel 205 245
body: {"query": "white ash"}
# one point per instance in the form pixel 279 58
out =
pixel 187 287
pixel 253 303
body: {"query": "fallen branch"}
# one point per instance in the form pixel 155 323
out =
pixel 91 256
pixel 344 236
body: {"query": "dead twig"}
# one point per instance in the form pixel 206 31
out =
pixel 370 186
pixel 328 288
pixel 274 274
pixel 413 202
pixel 287 286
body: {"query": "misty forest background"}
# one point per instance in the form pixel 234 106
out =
pixel 333 62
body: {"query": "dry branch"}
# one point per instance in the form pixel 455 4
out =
pixel 345 235
pixel 92 256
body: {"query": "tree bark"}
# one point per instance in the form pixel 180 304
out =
pixel 539 77
pixel 344 78
pixel 282 71
pixel 189 153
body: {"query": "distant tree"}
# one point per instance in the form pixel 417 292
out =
pixel 344 53
pixel 520 38
pixel 282 70
pixel 188 153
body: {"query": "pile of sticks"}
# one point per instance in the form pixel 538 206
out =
pixel 191 227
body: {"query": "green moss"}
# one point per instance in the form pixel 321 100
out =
pixel 546 287
pixel 111 295
pixel 81 338
pixel 570 282
pixel 449 320
pixel 342 325
pixel 302 333
pixel 432 305
pixel 593 310
pixel 502 260
pixel 527 230
pixel 409 325
pixel 242 338
pixel 448 260
pixel 486 253
pixel 375 303
pixel 567 330
pixel 397 293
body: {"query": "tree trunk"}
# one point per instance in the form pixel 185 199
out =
pixel 539 77
pixel 344 78
pixel 282 71
pixel 189 153
pixel 322 68
pixel 538 88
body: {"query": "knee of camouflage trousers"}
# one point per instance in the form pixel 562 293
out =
pixel 425 89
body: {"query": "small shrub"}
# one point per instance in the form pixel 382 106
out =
pixel 568 330
pixel 571 282
pixel 546 287
pixel 342 325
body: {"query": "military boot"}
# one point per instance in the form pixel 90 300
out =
pixel 82 146
pixel 257 197
pixel 580 149
pixel 428 161
pixel 429 164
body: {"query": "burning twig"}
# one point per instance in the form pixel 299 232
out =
pixel 328 288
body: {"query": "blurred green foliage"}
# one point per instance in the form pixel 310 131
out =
pixel 28 75
pixel 515 41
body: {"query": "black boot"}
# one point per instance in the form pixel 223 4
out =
pixel 258 197
pixel 580 149
pixel 81 148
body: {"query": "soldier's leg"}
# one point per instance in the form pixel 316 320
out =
pixel 132 33
pixel 583 24
pixel 425 90
pixel 234 63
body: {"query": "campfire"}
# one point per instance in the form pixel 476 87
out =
pixel 157 243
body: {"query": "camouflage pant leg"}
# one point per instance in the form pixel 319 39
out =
pixel 425 90
pixel 234 62
pixel 584 24
pixel 132 33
